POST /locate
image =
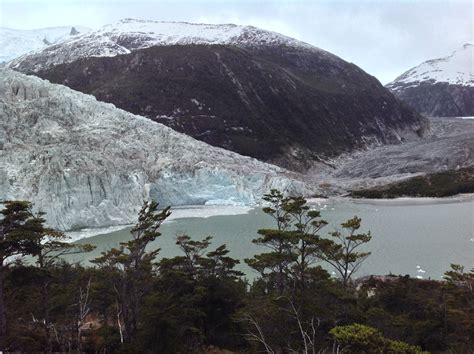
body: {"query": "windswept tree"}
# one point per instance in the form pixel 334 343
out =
pixel 193 251
pixel 307 223
pixel 284 296
pixel 294 243
pixel 291 269
pixel 342 251
pixel 219 265
pixel 132 265
pixel 274 264
pixel 20 232
pixel 196 297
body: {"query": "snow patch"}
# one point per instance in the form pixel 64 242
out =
pixel 14 43
pixel 130 34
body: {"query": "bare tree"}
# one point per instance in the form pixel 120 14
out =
pixel 83 310
pixel 306 329
pixel 308 332
pixel 257 333
pixel 119 321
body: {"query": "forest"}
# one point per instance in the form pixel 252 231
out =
pixel 305 297
pixel 438 185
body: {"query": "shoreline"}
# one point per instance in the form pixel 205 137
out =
pixel 205 211
pixel 399 201
pixel 177 212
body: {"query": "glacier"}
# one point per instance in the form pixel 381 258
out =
pixel 89 164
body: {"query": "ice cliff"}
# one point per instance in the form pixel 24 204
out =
pixel 89 164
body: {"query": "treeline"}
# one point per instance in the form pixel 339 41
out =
pixel 437 185
pixel 133 301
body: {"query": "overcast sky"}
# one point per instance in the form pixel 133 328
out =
pixel 385 38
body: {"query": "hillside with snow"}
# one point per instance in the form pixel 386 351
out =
pixel 88 164
pixel 14 43
pixel 455 69
pixel 130 34
pixel 251 91
pixel 440 87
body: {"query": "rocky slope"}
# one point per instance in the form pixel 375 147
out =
pixel 449 146
pixel 14 43
pixel 441 87
pixel 255 92
pixel 89 164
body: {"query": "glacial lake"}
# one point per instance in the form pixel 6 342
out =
pixel 419 237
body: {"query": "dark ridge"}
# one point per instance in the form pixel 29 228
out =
pixel 280 104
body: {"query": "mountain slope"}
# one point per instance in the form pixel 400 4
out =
pixel 440 87
pixel 256 92
pixel 89 164
pixel 14 43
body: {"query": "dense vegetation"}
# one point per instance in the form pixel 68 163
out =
pixel 132 301
pixel 441 184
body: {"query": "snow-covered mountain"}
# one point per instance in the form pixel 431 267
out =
pixel 455 69
pixel 130 34
pixel 14 43
pixel 89 164
pixel 440 87
pixel 255 92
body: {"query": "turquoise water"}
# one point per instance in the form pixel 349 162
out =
pixel 420 238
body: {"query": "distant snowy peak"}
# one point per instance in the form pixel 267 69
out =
pixel 129 34
pixel 440 87
pixel 455 69
pixel 14 43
